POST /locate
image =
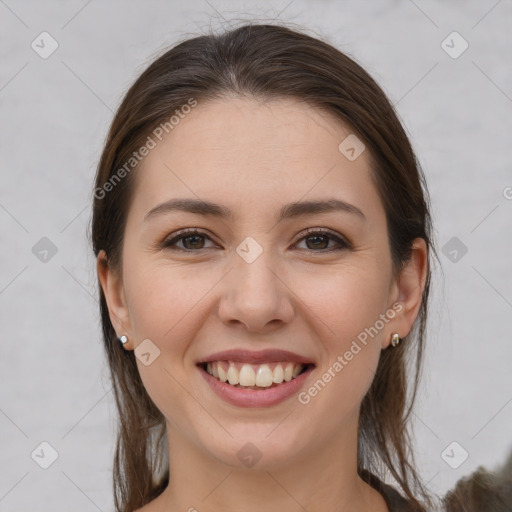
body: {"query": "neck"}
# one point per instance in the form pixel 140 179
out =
pixel 325 479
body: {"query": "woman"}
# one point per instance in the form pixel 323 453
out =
pixel 263 243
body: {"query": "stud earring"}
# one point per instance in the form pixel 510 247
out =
pixel 395 339
pixel 123 339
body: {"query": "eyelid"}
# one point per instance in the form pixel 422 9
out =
pixel 179 235
pixel 342 241
pixel 327 231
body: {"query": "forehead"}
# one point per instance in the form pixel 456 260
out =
pixel 245 153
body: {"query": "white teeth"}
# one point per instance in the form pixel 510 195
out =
pixel 296 371
pixel 288 372
pixel 264 376
pixel 223 376
pixel 233 375
pixel 278 375
pixel 249 375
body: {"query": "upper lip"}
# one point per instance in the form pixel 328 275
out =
pixel 256 357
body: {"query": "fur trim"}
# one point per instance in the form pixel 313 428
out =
pixel 482 491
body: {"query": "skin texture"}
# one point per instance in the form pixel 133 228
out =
pixel 253 158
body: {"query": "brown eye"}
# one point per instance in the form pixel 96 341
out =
pixel 191 240
pixel 318 241
pixel 194 241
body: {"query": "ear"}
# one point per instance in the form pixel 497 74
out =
pixel 112 286
pixel 408 291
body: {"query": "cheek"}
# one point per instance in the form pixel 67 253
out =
pixel 346 300
pixel 163 296
pixel 347 306
pixel 166 302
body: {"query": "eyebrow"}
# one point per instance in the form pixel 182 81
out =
pixel 288 211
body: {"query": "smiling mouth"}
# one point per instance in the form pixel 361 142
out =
pixel 254 376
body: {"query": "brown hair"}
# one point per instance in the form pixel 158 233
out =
pixel 266 61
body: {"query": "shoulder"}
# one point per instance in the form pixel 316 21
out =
pixel 394 500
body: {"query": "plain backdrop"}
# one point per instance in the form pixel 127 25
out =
pixel 55 113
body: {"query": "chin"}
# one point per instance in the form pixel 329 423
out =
pixel 255 450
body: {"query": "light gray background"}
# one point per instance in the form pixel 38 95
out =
pixel 54 116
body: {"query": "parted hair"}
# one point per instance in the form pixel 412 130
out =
pixel 267 61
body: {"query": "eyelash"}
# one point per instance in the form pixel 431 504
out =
pixel 344 244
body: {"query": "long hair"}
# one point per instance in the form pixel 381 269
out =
pixel 266 61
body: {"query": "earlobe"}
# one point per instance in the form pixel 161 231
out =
pixel 112 286
pixel 409 288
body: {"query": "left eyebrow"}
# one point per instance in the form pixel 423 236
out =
pixel 288 211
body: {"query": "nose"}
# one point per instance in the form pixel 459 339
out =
pixel 256 295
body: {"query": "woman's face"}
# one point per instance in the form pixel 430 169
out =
pixel 257 280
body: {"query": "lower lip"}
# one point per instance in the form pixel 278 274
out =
pixel 254 397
